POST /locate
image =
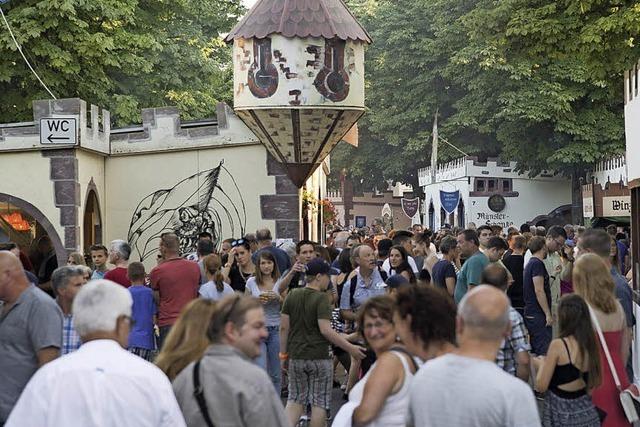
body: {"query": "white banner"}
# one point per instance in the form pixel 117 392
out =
pixel 587 207
pixel 616 206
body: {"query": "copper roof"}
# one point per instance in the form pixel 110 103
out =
pixel 299 18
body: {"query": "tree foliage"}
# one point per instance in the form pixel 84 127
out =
pixel 119 54
pixel 536 81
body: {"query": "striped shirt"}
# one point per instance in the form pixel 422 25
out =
pixel 70 338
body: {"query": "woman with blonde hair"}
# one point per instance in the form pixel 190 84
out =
pixel 592 280
pixel 76 258
pixel 187 340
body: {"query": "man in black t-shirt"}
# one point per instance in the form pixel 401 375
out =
pixel 443 273
pixel 515 264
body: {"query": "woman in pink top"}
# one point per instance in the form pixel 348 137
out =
pixel 593 282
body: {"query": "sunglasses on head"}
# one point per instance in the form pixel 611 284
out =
pixel 238 242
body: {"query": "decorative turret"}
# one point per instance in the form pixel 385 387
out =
pixel 299 78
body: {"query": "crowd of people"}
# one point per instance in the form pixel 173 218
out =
pixel 464 327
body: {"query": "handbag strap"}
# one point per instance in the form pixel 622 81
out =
pixel 405 352
pixel 198 393
pixel 605 348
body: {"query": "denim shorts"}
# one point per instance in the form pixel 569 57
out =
pixel 310 381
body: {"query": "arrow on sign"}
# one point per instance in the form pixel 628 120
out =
pixel 52 138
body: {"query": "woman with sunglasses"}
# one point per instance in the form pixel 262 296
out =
pixel 239 266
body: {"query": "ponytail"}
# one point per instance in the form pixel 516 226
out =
pixel 212 266
pixel 218 279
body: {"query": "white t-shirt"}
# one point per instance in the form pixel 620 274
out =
pixel 386 265
pixel 454 390
pixel 209 291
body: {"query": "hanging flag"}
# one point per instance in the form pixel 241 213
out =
pixel 449 200
pixel 410 206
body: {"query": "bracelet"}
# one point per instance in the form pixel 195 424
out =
pixel 283 356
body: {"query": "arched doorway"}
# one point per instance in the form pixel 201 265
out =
pixel 461 220
pixel 443 217
pixel 23 223
pixel 92 221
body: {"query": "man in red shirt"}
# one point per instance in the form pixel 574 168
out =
pixel 119 252
pixel 175 282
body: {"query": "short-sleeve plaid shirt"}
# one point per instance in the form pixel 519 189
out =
pixel 515 343
pixel 70 338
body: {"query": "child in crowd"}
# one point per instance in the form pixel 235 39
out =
pixel 143 314
pixel 99 256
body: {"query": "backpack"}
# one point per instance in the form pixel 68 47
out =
pixel 353 284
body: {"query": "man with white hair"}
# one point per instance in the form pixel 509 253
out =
pixel 30 331
pixel 468 380
pixel 119 252
pixel 101 384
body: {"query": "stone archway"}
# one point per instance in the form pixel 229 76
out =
pixel 61 252
pixel 92 219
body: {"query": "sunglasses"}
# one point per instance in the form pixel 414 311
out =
pixel 238 242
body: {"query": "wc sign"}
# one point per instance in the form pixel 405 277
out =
pixel 58 130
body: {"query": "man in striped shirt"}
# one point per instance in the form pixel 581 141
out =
pixel 66 282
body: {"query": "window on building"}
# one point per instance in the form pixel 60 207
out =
pixel 491 185
pixel 480 185
pixel 506 185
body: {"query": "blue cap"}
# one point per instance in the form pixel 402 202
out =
pixel 396 281
pixel 320 266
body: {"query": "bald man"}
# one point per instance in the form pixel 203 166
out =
pixel 466 387
pixel 30 331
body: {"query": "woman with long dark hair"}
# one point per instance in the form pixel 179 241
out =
pixel 239 266
pixel 399 262
pixel 571 368
pixel 264 286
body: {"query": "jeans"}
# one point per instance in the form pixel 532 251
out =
pixel 269 359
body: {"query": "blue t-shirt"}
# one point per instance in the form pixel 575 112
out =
pixel 535 268
pixel 470 274
pixel 142 312
pixel 442 270
pixel 624 295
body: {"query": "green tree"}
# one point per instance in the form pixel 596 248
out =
pixel 119 54
pixel 537 81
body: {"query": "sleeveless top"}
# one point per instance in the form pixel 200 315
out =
pixel 564 374
pixel 396 407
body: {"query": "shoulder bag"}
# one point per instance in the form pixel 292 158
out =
pixel 198 393
pixel 629 397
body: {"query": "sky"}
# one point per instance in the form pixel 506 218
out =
pixel 249 3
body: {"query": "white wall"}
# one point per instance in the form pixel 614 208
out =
pixel 632 124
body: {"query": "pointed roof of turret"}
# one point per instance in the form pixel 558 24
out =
pixel 300 18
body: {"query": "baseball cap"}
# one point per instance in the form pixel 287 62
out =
pixel 396 281
pixel 320 266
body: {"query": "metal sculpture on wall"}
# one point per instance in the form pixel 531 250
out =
pixel 194 205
